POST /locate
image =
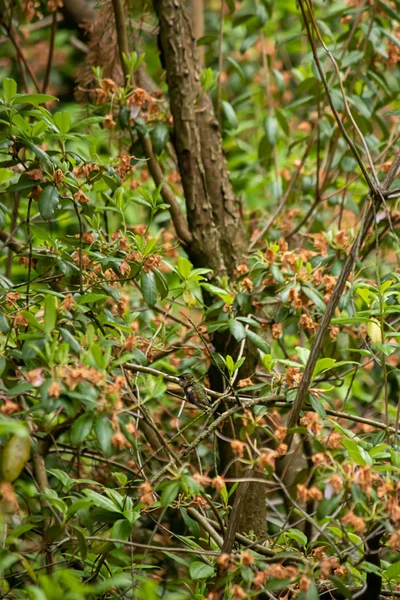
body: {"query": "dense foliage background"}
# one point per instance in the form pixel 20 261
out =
pixel 229 211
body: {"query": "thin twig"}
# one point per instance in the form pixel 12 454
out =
pixel 334 300
pixel 51 51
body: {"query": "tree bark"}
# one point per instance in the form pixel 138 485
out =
pixel 219 240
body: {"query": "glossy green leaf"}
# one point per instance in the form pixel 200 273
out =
pixel 169 493
pixel 81 429
pixel 258 341
pixel 237 330
pixel 63 121
pixel 200 570
pixel 148 285
pixel 159 137
pixel 50 313
pixel 10 88
pixel 34 99
pixel 230 115
pixel 48 201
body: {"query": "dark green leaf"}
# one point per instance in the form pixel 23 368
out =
pixel 161 282
pixel 258 341
pixel 200 570
pixel 230 114
pixel 10 88
pixel 169 493
pixel 159 137
pixel 315 297
pixel 81 429
pixel 44 159
pixel 49 313
pixel 271 129
pixel 104 433
pixel 34 99
pixel 341 587
pixel 71 341
pixel 48 201
pixel 237 330
pixel 149 288
pixel 121 530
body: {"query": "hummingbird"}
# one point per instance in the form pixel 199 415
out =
pixel 194 391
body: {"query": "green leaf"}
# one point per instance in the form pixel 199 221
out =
pixel 317 406
pixel 23 183
pixel 265 151
pixel 34 99
pixel 393 571
pixel 80 504
pixel 162 283
pixel 357 453
pixel 323 364
pixel 230 115
pixel 223 294
pixel 49 313
pixel 104 433
pixel 200 570
pixel 32 320
pixel 63 121
pixel 230 365
pixel 271 129
pixel 343 589
pixel 71 341
pixel 10 88
pixel 184 267
pixel 89 298
pixel 101 501
pixel 121 580
pixel 258 341
pixel 148 286
pixel 86 122
pixel 48 201
pixel 159 137
pixel 237 330
pixel 81 429
pixel 44 159
pixel 297 536
pixel 315 297
pixel 4 326
pixel 82 543
pixel 169 493
pixel 13 427
pixel 312 593
pixel 385 7
pixel 121 530
pixel 65 479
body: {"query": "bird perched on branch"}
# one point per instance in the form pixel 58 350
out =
pixel 194 391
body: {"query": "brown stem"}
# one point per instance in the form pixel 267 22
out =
pixel 122 36
pixel 51 52
pixel 337 292
pixel 167 194
pixel 22 56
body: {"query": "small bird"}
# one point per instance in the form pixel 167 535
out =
pixel 194 391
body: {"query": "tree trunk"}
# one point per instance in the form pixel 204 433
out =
pixel 219 237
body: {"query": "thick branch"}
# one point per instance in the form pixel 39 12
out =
pixel 11 242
